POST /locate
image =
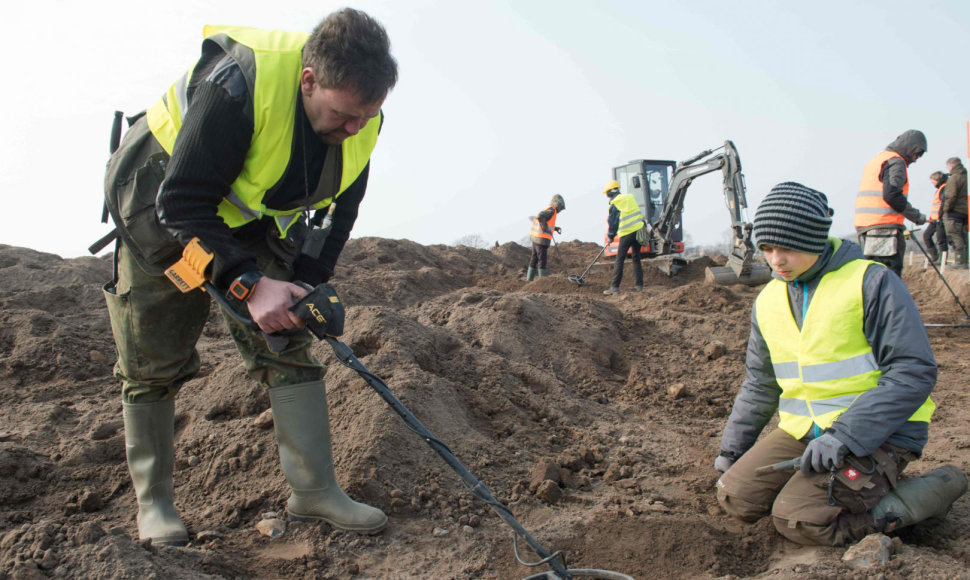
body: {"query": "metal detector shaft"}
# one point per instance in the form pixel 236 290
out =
pixel 555 245
pixel 591 264
pixel 581 279
pixel 346 357
pixel 912 236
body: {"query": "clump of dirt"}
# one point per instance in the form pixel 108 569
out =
pixel 595 418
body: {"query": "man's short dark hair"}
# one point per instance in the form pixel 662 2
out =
pixel 351 50
pixel 936 175
pixel 954 161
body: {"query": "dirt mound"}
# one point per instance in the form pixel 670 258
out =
pixel 595 419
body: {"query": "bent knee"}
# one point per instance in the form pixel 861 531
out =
pixel 740 507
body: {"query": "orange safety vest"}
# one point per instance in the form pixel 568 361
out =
pixel 870 207
pixel 536 231
pixel 937 204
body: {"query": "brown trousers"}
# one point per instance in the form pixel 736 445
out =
pixel 819 509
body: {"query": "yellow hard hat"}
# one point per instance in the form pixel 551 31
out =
pixel 610 186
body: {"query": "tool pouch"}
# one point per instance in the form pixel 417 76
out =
pixel 134 174
pixel 881 242
pixel 322 310
pixel 643 237
pixel 314 240
pixel 862 481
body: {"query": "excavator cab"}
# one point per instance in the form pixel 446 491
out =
pixel 649 181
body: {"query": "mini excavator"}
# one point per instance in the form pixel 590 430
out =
pixel 660 187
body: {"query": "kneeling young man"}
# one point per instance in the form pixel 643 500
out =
pixel 838 347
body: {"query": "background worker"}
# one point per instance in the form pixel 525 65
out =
pixel 882 205
pixel 267 128
pixel 543 225
pixel 955 211
pixel 625 220
pixel 838 348
pixel 934 236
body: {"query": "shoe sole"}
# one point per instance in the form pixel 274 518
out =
pixel 369 531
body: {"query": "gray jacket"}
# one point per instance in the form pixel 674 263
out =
pixel 893 328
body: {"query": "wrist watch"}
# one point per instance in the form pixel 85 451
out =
pixel 242 287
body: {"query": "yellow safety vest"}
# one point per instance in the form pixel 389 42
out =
pixel 271 61
pixel 631 219
pixel 826 365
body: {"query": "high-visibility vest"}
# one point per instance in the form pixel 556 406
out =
pixel 870 207
pixel 937 204
pixel 271 61
pixel 536 231
pixel 826 365
pixel 631 219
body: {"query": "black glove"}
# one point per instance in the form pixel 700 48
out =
pixel 558 230
pixel 823 454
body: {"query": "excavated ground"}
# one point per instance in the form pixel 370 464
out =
pixel 596 419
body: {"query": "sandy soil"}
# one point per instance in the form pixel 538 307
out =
pixel 596 419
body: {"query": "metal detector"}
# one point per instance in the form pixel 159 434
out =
pixel 581 278
pixel 912 236
pixel 324 315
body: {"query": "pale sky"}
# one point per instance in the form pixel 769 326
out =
pixel 502 104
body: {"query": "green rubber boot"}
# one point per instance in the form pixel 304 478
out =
pixel 530 274
pixel 917 499
pixel 543 272
pixel 302 424
pixel 150 448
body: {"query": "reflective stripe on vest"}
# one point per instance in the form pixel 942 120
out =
pixel 631 219
pixel 937 204
pixel 536 231
pixel 271 62
pixel 870 207
pixel 826 365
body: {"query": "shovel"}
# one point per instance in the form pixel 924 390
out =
pixel 581 278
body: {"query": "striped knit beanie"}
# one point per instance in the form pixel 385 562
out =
pixel 795 217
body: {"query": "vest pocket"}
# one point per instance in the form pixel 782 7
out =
pixel 152 245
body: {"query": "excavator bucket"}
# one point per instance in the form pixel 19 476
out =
pixel 669 266
pixel 756 275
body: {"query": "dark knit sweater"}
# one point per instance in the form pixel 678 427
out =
pixel 207 158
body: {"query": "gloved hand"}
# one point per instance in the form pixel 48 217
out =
pixel 824 453
pixel 914 215
pixel 558 230
pixel 723 463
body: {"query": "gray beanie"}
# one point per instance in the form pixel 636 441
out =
pixel 795 217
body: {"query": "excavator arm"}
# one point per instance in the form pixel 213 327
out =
pixel 741 267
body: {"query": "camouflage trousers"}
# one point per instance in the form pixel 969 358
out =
pixel 156 328
pixel 829 509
